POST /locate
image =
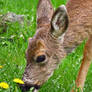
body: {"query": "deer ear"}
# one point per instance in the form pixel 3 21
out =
pixel 59 21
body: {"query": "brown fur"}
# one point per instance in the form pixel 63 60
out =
pixel 52 47
pixel 80 23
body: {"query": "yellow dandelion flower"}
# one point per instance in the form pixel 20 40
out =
pixel 18 81
pixel 4 85
pixel 1 67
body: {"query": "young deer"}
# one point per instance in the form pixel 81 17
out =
pixel 52 42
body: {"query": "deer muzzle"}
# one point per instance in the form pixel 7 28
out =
pixel 26 87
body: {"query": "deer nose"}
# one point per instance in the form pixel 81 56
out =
pixel 26 87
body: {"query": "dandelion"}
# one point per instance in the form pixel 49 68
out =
pixel 4 85
pixel 18 81
pixel 1 67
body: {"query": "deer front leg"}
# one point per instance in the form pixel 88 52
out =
pixel 86 61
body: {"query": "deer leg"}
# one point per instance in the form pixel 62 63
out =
pixel 86 61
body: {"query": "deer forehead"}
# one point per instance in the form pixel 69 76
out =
pixel 40 50
pixel 36 46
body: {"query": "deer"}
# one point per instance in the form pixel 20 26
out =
pixel 58 33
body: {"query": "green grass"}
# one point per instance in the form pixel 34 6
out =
pixel 12 51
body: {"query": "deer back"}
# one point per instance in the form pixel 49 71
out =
pixel 80 23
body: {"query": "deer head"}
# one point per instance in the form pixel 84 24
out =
pixel 45 49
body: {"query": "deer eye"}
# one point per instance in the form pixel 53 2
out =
pixel 40 58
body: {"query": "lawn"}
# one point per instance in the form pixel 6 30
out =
pixel 13 44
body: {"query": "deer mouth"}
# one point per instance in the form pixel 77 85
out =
pixel 26 87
